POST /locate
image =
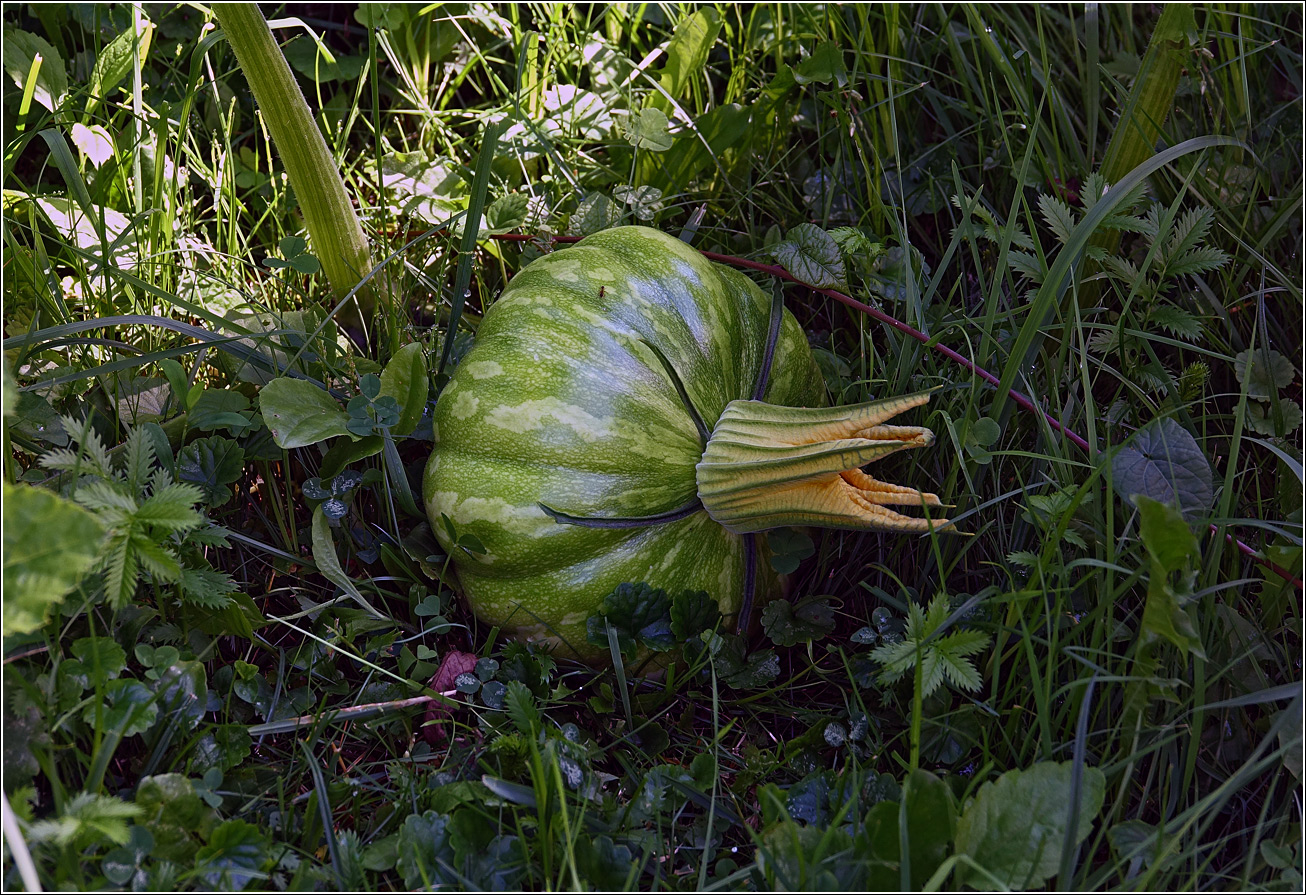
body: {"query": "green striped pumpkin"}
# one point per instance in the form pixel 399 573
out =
pixel 565 401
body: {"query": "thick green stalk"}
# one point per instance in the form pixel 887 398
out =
pixel 333 226
pixel 1142 117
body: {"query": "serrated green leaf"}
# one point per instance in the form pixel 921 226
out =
pixel 1262 379
pixel 506 213
pixel 425 854
pixel 640 615
pixel 519 705
pixel 1059 218
pixel 171 508
pixel 235 856
pixel 787 624
pixel 1260 418
pixel 812 256
pixel 207 587
pixel 693 612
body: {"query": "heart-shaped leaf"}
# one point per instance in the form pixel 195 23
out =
pixel 812 256
pixel 1164 462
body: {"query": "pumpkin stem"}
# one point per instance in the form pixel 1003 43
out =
pixel 767 466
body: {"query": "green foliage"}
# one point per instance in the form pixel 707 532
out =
pixel 150 520
pixel 1017 826
pixel 1164 463
pixel 639 615
pixel 130 732
pixel 940 656
pixel 49 544
pixel 813 256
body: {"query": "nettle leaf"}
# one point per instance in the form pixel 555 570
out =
pixel 508 212
pixel 211 464
pixel 787 624
pixel 1261 378
pixel 299 413
pixel 1164 462
pixel 738 669
pixel 49 544
pixel 692 613
pixel 812 256
pixel 789 547
pixel 594 213
pixel 640 615
pixel 648 130
pixel 1015 827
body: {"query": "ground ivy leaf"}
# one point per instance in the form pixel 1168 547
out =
pixel 1261 380
pixel 1164 462
pixel 789 547
pixel 812 256
pixel 234 856
pixel 787 624
pixel 424 850
pixel 1015 826
pixel 693 612
pixel 639 614
pixel 212 464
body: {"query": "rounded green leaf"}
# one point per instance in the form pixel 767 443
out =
pixel 299 413
pixel 1015 827
pixel 49 544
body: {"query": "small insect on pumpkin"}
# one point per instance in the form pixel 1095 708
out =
pixel 632 412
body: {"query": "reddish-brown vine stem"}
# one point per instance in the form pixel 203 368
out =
pixel 776 270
